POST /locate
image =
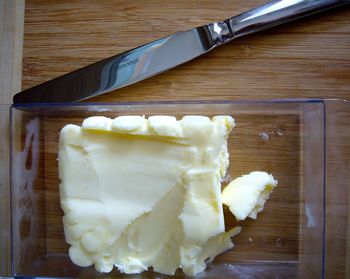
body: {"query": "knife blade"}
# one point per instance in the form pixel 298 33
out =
pixel 158 56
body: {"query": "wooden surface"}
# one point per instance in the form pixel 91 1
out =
pixel 309 58
pixel 11 42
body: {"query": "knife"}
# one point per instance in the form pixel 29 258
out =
pixel 163 54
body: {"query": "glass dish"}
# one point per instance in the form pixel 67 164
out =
pixel 302 231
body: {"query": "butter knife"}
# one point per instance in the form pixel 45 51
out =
pixel 163 54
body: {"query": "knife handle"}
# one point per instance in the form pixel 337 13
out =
pixel 266 16
pixel 275 13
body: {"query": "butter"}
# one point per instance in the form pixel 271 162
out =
pixel 129 123
pixel 195 258
pixel 139 193
pixel 246 195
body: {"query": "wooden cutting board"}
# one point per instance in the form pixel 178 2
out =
pixel 309 58
pixel 305 59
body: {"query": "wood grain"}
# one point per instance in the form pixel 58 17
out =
pixel 11 38
pixel 11 42
pixel 309 58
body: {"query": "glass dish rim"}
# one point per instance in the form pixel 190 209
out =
pixel 172 102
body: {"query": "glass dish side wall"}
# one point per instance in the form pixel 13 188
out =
pixel 284 138
pixel 27 189
pixel 337 222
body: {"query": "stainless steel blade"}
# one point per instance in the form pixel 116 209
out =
pixel 120 70
pixel 158 56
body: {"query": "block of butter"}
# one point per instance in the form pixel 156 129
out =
pixel 139 193
pixel 246 195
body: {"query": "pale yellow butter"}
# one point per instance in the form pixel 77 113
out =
pixel 140 193
pixel 246 195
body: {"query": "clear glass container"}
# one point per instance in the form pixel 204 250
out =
pixel 302 232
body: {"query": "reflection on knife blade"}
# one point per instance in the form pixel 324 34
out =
pixel 163 54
